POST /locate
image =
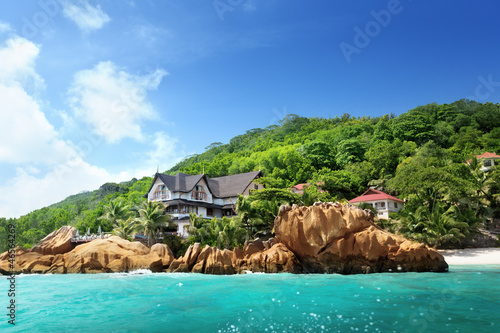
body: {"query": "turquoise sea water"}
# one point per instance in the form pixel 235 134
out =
pixel 467 299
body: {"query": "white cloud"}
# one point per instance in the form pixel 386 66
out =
pixel 48 168
pixel 18 62
pixel 166 152
pixel 28 190
pixel 86 16
pixel 26 135
pixel 112 101
pixel 5 27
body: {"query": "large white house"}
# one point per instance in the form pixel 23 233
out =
pixel 382 202
pixel 209 197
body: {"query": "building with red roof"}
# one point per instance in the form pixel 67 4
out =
pixel 488 160
pixel 299 188
pixel 382 202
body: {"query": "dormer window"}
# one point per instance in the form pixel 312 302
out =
pixel 198 193
pixel 161 193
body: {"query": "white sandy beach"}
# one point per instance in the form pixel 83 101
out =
pixel 487 256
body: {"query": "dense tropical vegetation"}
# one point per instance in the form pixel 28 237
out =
pixel 419 155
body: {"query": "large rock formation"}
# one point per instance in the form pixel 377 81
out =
pixel 335 238
pixel 57 242
pixel 323 238
pixel 112 254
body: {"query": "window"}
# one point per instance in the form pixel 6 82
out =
pixel 161 193
pixel 173 209
pixel 487 163
pixel 395 205
pixel 210 212
pixel 198 193
pixel 382 205
pixel 380 214
pixel 256 186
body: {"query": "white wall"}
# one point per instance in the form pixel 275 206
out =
pixel 389 207
pixel 154 188
pixel 203 184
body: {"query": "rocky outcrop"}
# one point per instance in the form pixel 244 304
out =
pixel 335 238
pixel 57 242
pixel 272 258
pixel 277 259
pixel 185 263
pixel 214 261
pixel 112 254
pixel 323 238
pixel 164 252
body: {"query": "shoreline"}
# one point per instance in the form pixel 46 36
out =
pixel 484 256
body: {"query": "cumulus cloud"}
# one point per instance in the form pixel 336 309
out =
pixel 18 62
pixel 165 153
pixel 113 101
pixel 26 136
pixel 5 27
pixel 30 190
pixel 48 168
pixel 86 16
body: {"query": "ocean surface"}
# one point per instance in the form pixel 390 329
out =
pixel 467 299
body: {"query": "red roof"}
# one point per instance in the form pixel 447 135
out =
pixel 374 195
pixel 485 155
pixel 300 187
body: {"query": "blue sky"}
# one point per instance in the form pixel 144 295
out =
pixel 99 91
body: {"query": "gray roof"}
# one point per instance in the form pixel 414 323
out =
pixel 220 187
pixel 191 203
pixel 231 186
pixel 181 182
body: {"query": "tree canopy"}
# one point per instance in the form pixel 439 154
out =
pixel 419 155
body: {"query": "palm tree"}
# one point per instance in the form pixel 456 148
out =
pixel 125 228
pixel 232 234
pixel 197 229
pixel 152 218
pixel 485 188
pixel 438 227
pixel 444 229
pixel 247 215
pixel 115 210
pixel 224 233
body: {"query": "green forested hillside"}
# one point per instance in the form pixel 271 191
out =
pixel 419 155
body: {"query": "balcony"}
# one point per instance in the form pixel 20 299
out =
pixel 161 195
pixel 198 195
